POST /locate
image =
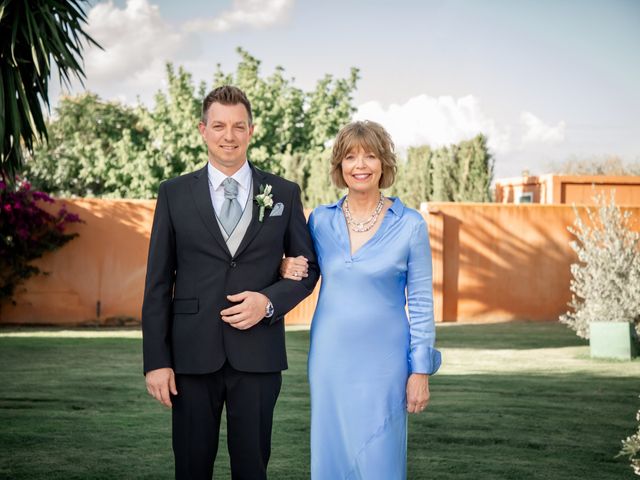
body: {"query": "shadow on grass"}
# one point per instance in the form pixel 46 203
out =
pixel 77 409
pixel 509 335
pixel 565 426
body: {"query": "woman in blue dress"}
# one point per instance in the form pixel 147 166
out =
pixel 369 363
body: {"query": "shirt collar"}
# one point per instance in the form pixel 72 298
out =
pixel 242 176
pixel 397 207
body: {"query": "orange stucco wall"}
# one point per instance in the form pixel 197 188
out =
pixel 105 264
pixel 492 262
pixel 505 262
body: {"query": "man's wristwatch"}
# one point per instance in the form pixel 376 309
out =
pixel 269 310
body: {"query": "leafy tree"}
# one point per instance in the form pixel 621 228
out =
pixel 133 149
pixel 175 146
pixel 35 35
pixel 107 149
pixel 288 120
pixel 475 171
pixel 295 167
pixel 319 189
pixel 93 149
pixel 445 179
pixel 456 173
pixel 414 182
pixel 278 111
pixel 330 107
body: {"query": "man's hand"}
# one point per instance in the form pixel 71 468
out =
pixel 417 392
pixel 249 311
pixel 159 383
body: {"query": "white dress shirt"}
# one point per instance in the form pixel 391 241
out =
pixel 216 177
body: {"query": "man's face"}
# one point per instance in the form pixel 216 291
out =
pixel 227 134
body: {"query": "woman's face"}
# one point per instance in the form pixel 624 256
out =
pixel 361 170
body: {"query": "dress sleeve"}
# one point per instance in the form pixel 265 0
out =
pixel 312 223
pixel 423 357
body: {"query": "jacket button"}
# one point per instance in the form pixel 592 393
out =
pixel 232 264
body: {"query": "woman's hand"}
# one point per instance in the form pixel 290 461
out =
pixel 294 268
pixel 417 392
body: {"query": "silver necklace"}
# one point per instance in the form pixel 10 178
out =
pixel 367 224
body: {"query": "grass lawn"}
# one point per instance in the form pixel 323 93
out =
pixel 512 401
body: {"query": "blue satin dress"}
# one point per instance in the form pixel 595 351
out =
pixel 363 346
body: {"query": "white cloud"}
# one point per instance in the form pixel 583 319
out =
pixel 136 40
pixel 245 13
pixel 539 132
pixel 436 121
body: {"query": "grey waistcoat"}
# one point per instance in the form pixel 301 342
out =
pixel 233 240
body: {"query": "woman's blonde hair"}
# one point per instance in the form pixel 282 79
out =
pixel 372 137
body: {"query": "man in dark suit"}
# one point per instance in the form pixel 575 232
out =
pixel 212 318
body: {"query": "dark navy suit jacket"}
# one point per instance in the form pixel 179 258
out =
pixel 190 272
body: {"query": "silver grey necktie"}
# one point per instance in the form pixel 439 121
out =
pixel 231 209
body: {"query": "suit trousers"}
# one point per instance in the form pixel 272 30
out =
pixel 249 398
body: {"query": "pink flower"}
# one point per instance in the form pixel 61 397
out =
pixel 42 196
pixel 72 218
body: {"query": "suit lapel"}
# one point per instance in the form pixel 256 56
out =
pixel 255 225
pixel 202 198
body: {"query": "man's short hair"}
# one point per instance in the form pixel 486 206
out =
pixel 372 137
pixel 226 95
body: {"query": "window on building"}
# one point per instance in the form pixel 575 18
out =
pixel 526 197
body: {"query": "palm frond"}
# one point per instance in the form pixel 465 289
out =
pixel 41 34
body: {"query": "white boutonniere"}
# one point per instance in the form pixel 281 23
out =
pixel 264 199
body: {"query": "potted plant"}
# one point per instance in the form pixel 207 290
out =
pixel 605 287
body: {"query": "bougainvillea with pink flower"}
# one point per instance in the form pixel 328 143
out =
pixel 27 232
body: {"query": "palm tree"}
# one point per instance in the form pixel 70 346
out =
pixel 34 35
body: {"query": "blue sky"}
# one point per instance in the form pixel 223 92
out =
pixel 544 80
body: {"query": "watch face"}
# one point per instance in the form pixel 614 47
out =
pixel 269 309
